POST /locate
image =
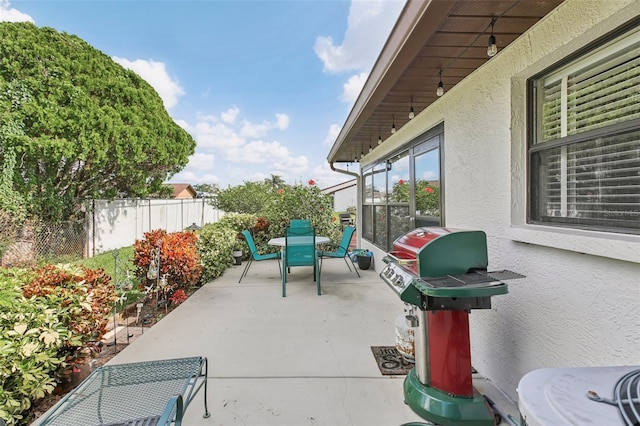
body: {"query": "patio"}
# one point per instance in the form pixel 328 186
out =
pixel 303 359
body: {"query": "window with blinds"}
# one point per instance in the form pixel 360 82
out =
pixel 584 153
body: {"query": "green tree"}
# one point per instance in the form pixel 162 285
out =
pixel 250 197
pixel 84 127
pixel 210 188
pixel 276 182
pixel 13 207
pixel 302 202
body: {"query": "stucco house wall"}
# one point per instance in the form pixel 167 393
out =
pixel 580 302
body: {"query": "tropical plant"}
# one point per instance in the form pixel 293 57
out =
pixel 302 202
pixel 46 317
pixel 84 298
pixel 238 222
pixel 82 125
pixel 179 258
pixel 215 246
pixel 32 340
pixel 250 197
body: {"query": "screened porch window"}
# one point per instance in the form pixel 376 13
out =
pixel 403 191
pixel 584 153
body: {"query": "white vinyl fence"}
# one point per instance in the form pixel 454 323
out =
pixel 119 223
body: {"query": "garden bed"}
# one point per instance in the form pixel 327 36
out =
pixel 129 325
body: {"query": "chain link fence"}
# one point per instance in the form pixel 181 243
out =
pixel 35 242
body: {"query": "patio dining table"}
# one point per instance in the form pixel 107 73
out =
pixel 281 241
pixel 301 240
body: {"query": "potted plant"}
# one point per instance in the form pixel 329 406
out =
pixel 238 245
pixel 364 259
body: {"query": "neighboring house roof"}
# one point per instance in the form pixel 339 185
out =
pixel 183 190
pixel 339 187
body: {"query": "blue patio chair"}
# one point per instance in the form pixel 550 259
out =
pixel 341 250
pixel 300 250
pixel 296 223
pixel 255 255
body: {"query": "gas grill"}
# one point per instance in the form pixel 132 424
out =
pixel 443 272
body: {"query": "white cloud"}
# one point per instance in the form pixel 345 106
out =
pixel 332 135
pixel 368 26
pixel 194 177
pixel 430 175
pixel 239 145
pixel 351 89
pixel 229 116
pixel 256 130
pixel 9 14
pixel 216 136
pixel 282 121
pixel 155 73
pixel 200 161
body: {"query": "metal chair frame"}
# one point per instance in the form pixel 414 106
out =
pixel 342 249
pixel 255 255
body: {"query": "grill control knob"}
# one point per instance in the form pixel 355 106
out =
pixel 399 280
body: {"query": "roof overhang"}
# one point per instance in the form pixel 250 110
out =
pixel 429 36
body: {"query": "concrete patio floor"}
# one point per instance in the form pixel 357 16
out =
pixel 300 360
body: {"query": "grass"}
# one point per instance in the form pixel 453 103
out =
pixel 107 261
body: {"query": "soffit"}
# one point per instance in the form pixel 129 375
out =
pixel 429 36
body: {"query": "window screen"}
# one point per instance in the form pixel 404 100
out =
pixel 585 151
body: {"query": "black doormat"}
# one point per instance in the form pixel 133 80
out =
pixel 390 361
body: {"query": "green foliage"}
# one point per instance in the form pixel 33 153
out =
pixel 250 197
pixel 210 188
pixel 82 126
pixel 238 222
pixel 427 196
pixel 83 297
pixel 215 246
pixel 302 202
pixel 11 201
pixel 30 342
pixel 13 207
pixel 278 205
pixel 46 317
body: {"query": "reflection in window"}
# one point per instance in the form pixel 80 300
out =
pixel 398 182
pixel 427 185
pixel 380 226
pixel 379 184
pixel 368 186
pixel 402 192
pixel 367 223
pixel 400 221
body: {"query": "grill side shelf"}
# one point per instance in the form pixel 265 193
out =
pixel 472 284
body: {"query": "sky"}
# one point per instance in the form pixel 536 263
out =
pixel 263 86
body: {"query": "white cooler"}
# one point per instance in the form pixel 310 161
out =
pixel 558 396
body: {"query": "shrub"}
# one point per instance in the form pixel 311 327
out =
pixel 250 197
pixel 179 258
pixel 83 297
pixel 215 246
pixel 302 202
pixel 238 222
pixel 47 317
